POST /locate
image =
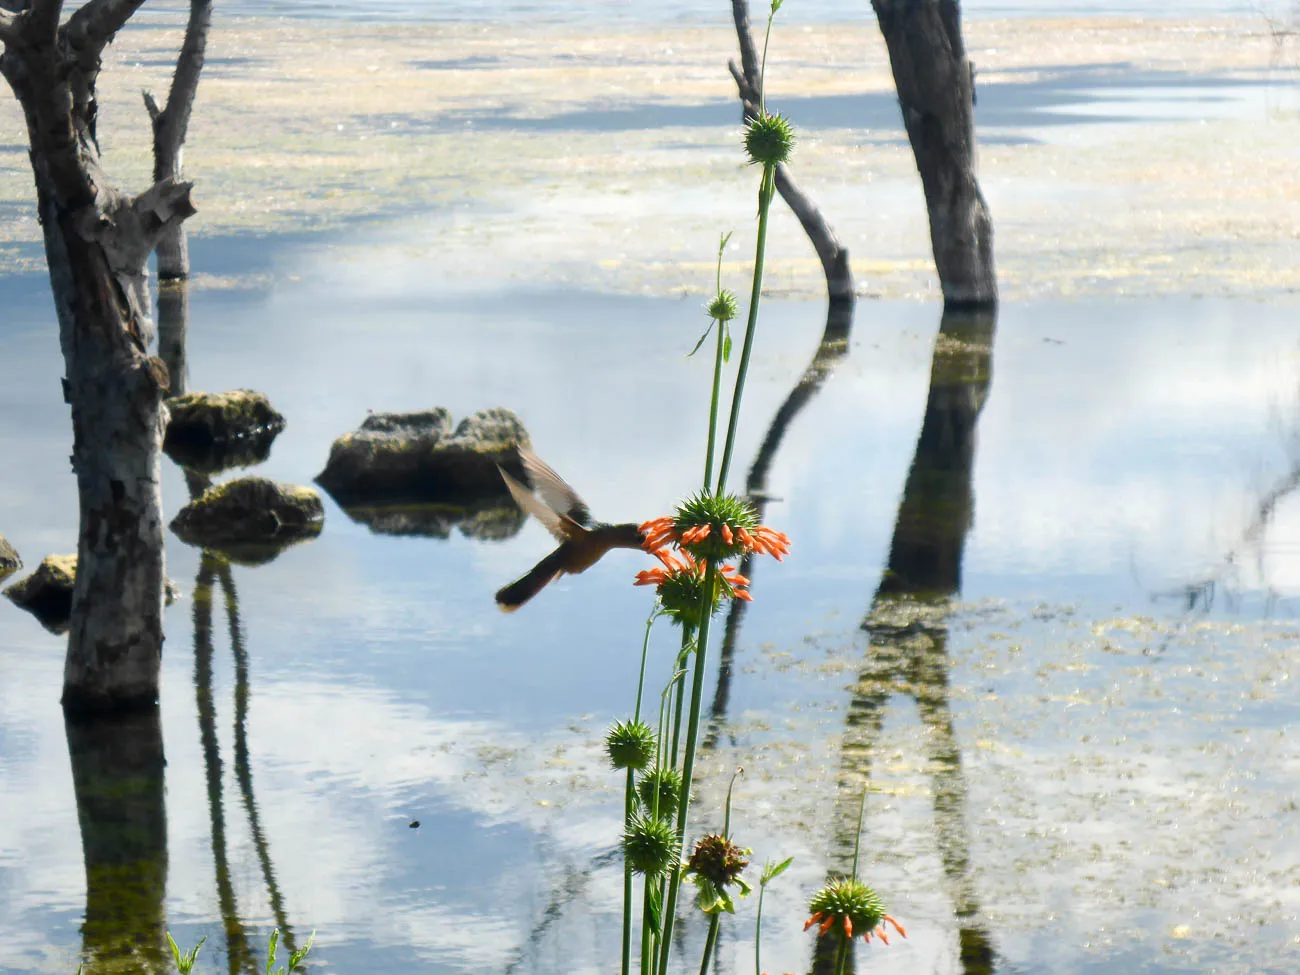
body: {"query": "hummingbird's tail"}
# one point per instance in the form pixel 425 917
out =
pixel 511 597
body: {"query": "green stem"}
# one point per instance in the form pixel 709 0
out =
pixel 647 929
pixel 765 191
pixel 713 406
pixel 688 760
pixel 709 943
pixel 677 704
pixel 841 955
pixel 857 840
pixel 629 799
pixel 726 816
pixel 645 647
pixel 762 70
pixel 758 931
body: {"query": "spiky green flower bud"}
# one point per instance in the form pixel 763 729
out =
pixel 723 307
pixel 650 845
pixel 663 783
pixel 716 517
pixel 769 140
pixel 849 908
pixel 631 744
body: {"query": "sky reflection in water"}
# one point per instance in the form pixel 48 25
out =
pixel 1102 707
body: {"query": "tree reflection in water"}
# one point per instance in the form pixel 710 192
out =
pixel 907 625
pixel 117 778
pixel 214 568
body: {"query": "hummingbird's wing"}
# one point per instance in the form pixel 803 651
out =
pixel 553 489
pixel 560 525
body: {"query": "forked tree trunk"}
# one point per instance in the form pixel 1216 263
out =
pixel 97 242
pixel 936 93
pixel 834 257
pixel 170 125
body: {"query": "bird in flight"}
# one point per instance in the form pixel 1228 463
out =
pixel 557 506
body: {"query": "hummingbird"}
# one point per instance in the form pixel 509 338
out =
pixel 565 515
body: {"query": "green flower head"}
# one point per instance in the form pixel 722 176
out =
pixel 631 744
pixel 769 139
pixel 663 783
pixel 650 845
pixel 723 307
pixel 849 907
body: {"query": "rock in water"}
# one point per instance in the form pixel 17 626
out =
pixel 417 457
pixel 47 592
pixel 9 560
pixel 212 432
pixel 251 518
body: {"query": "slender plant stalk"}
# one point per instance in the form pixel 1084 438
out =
pixel 709 943
pixel 857 840
pixel 726 815
pixel 677 703
pixel 758 931
pixel 841 955
pixel 629 801
pixel 688 760
pixel 718 358
pixel 765 191
pixel 647 929
pixel 645 647
pixel 713 407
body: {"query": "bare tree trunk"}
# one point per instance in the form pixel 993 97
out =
pixel 97 242
pixel 834 258
pixel 936 92
pixel 170 125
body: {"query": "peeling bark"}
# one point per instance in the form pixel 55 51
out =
pixel 170 125
pixel 936 92
pixel 97 243
pixel 833 256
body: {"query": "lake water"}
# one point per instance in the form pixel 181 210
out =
pixel 1044 594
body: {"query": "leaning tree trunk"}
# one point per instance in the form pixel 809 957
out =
pixel 170 125
pixel 833 256
pixel 936 93
pixel 97 242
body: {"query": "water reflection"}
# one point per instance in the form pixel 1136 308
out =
pixel 117 777
pixel 215 569
pixel 907 625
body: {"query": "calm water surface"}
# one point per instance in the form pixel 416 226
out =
pixel 1044 591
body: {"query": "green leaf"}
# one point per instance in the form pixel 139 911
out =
pixel 773 870
pixel 726 347
pixel 270 950
pixel 296 958
pixel 185 959
pixel 701 341
pixel 776 5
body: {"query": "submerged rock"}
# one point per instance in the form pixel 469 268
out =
pixel 47 592
pixel 9 560
pixel 213 432
pixel 252 519
pixel 417 457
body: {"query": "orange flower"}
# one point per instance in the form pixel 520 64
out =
pixel 680 581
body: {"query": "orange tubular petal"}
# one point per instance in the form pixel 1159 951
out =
pixel 866 937
pixel 742 594
pixel 880 933
pixel 897 927
pixel 812 920
pixel 826 924
pixel 727 535
pixel 745 537
pixel 705 531
pixel 848 926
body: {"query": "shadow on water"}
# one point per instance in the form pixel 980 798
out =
pixel 907 625
pixel 117 777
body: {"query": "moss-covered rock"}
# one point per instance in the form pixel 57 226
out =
pixel 213 432
pixel 250 512
pixel 418 457
pixel 47 592
pixel 9 560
